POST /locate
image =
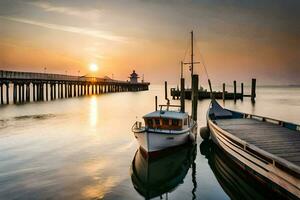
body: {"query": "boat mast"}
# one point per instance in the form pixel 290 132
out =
pixel 192 53
pixel 191 63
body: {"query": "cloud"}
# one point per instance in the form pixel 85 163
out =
pixel 72 29
pixel 46 6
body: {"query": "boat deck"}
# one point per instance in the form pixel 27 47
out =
pixel 272 138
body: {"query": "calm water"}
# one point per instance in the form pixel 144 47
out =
pixel 83 148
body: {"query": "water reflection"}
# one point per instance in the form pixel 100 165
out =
pixel 237 183
pixel 157 176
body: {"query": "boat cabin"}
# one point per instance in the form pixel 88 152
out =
pixel 167 120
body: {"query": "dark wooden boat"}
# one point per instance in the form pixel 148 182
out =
pixel 265 147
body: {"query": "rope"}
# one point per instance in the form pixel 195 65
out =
pixel 202 61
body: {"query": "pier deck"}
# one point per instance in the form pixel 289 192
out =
pixel 274 139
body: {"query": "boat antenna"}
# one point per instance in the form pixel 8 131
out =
pixel 166 95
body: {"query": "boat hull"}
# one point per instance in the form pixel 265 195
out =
pixel 252 164
pixel 153 141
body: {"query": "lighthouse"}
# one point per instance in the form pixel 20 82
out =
pixel 133 77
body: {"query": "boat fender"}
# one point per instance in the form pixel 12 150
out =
pixel 204 133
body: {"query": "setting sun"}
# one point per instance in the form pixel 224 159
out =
pixel 93 67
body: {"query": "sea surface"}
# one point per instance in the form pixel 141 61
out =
pixel 83 148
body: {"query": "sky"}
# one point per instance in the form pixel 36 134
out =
pixel 237 40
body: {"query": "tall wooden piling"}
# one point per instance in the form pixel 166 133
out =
pixel 242 91
pixel 195 82
pixel 182 96
pixel 234 90
pixel 253 88
pixel 224 92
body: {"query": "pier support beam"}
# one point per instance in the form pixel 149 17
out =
pixel 7 93
pixel 27 92
pixel 15 93
pixel 1 93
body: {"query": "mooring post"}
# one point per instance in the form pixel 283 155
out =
pixel 223 94
pixel 234 90
pixel 242 91
pixel 195 82
pixel 182 96
pixel 253 88
pixel 7 93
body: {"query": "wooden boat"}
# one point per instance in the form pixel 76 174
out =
pixel 236 181
pixel 265 147
pixel 165 129
pixel 153 177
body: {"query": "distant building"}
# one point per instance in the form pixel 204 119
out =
pixel 134 77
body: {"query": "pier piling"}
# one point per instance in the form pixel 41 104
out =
pixel 1 93
pixel 182 95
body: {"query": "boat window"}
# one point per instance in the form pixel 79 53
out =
pixel 175 122
pixel 149 122
pixel 185 121
pixel 165 121
pixel 157 122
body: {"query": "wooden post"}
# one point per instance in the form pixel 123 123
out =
pixel 182 96
pixel 242 91
pixel 28 92
pixel 155 103
pixel 166 94
pixel 33 92
pixel 15 93
pixel 234 90
pixel 1 93
pixel 195 82
pixel 224 92
pixel 19 93
pixel 253 88
pixel 22 92
pixel 7 93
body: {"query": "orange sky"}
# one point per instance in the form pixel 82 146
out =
pixel 237 40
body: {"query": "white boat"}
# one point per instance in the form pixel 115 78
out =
pixel 164 129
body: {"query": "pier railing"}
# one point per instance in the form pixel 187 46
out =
pixel 15 75
pixel 30 86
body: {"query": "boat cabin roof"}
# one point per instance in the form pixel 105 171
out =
pixel 166 114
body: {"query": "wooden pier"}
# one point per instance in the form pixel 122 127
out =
pixel 27 86
pixel 225 95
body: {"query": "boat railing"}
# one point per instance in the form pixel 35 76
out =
pixel 285 124
pixel 137 125
pixel 168 106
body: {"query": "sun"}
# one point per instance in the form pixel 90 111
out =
pixel 93 67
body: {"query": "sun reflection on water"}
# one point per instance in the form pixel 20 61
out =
pixel 93 111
